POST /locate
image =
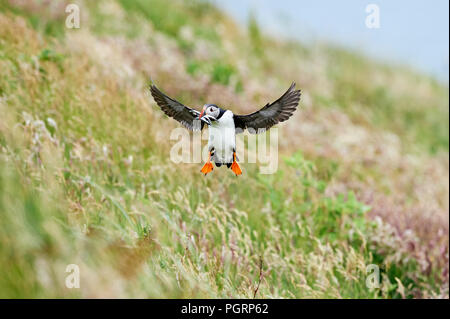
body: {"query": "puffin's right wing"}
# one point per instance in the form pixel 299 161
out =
pixel 183 114
pixel 269 115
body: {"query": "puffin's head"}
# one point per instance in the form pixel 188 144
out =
pixel 209 113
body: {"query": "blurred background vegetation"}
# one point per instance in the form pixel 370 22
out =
pixel 86 179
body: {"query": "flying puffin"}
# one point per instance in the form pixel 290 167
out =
pixel 223 124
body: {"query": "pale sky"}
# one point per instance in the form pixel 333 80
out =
pixel 412 32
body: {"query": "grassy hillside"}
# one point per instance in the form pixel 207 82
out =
pixel 86 178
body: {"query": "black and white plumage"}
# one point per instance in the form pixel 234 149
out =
pixel 224 125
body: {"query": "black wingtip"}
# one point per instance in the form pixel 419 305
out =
pixel 152 85
pixel 293 87
pixel 153 89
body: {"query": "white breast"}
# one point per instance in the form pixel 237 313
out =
pixel 222 137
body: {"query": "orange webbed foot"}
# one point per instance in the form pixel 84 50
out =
pixel 207 168
pixel 235 166
pixel 236 169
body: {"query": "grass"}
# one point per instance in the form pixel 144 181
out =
pixel 86 179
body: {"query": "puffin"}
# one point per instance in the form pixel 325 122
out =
pixel 223 124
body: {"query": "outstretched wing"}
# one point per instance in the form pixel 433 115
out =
pixel 271 114
pixel 183 114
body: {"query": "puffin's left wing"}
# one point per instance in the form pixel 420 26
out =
pixel 271 114
pixel 183 114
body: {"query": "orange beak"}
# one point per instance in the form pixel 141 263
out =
pixel 201 113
